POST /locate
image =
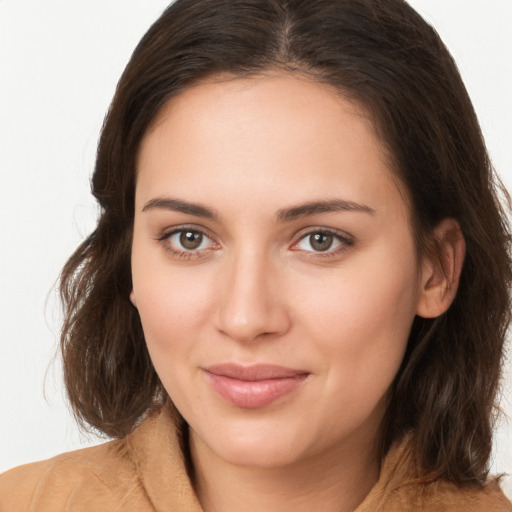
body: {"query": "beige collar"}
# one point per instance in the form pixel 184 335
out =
pixel 156 451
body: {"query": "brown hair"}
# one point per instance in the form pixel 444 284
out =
pixel 382 54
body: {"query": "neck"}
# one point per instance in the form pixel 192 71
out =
pixel 336 481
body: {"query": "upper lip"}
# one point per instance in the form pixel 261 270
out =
pixel 254 372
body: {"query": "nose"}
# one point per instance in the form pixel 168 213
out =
pixel 251 304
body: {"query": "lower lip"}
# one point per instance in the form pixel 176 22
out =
pixel 253 394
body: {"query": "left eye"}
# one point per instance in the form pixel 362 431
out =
pixel 189 240
pixel 319 242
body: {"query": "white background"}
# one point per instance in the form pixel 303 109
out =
pixel 59 63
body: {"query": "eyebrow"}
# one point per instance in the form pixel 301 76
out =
pixel 284 215
pixel 317 207
pixel 178 205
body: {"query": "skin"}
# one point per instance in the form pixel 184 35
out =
pixel 258 291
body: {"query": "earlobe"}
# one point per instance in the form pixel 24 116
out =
pixel 441 270
pixel 132 298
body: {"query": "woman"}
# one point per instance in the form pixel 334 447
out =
pixel 297 292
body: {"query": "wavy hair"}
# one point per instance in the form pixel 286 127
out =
pixel 383 55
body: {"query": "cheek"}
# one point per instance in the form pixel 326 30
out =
pixel 360 330
pixel 361 320
pixel 172 312
pixel 172 305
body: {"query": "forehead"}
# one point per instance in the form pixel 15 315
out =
pixel 300 105
pixel 297 95
pixel 253 135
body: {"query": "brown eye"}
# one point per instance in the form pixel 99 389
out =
pixel 321 241
pixel 187 242
pixel 191 240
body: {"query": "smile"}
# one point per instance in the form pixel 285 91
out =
pixel 255 386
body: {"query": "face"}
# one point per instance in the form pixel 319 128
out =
pixel 274 268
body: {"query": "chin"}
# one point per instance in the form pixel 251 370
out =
pixel 264 447
pixel 258 455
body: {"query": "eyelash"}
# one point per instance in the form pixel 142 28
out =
pixel 182 254
pixel 346 242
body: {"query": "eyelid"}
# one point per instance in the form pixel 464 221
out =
pixel 167 233
pixel 345 238
pixel 171 230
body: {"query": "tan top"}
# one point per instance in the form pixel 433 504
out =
pixel 145 472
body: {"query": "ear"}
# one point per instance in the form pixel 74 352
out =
pixel 132 298
pixel 441 270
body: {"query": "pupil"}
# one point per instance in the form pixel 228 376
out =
pixel 321 241
pixel 191 239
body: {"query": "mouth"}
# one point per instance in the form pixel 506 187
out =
pixel 255 386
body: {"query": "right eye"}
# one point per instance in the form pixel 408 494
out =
pixel 319 242
pixel 187 242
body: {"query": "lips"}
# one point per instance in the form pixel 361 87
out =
pixel 253 386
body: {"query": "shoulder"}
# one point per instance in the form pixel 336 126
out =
pixel 88 479
pixel 143 472
pixel 402 488
pixel 444 496
pixel 438 496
